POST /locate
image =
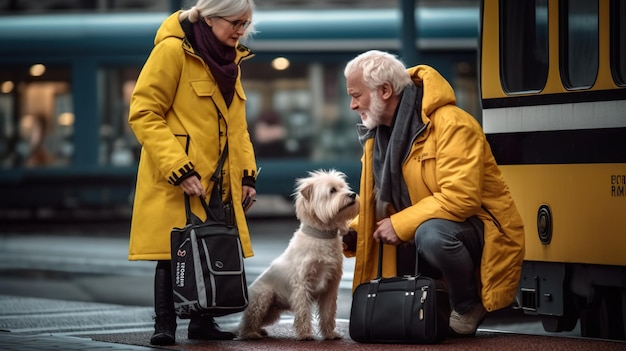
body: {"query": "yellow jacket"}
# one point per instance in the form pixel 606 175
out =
pixel 450 174
pixel 173 114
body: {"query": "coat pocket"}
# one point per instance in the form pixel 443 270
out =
pixel 184 140
pixel 204 88
pixel 428 163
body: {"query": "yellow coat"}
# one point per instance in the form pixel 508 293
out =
pixel 173 114
pixel 450 174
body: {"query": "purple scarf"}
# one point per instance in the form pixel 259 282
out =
pixel 219 57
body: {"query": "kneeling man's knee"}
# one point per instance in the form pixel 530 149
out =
pixel 428 234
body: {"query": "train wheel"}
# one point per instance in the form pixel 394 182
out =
pixel 559 323
pixel 566 322
pixel 604 317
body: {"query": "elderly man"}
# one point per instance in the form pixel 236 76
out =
pixel 430 189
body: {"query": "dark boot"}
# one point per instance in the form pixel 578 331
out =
pixel 205 328
pixel 165 319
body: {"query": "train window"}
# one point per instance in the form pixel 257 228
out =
pixel 524 45
pixel 579 43
pixel 118 146
pixel 618 41
pixel 36 116
pixel 295 112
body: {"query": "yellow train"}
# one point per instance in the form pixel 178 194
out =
pixel 553 90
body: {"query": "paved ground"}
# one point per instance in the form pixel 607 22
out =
pixel 75 290
pixel 282 338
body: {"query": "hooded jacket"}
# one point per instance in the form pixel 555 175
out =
pixel 174 115
pixel 450 174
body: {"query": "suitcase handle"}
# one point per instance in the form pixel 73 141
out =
pixel 380 262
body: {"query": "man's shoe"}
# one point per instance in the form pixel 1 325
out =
pixel 466 324
pixel 205 328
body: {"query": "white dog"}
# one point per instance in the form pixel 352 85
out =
pixel 308 273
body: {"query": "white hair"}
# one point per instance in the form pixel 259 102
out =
pixel 379 67
pixel 221 8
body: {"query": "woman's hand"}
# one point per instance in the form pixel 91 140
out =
pixel 248 197
pixel 192 186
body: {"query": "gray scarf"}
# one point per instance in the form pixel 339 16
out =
pixel 392 147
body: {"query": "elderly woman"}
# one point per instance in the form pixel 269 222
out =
pixel 187 107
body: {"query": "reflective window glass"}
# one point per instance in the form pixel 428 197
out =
pixel 299 109
pixel 36 116
pixel 523 45
pixel 579 43
pixel 118 146
pixel 618 41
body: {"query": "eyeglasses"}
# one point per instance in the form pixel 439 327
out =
pixel 238 24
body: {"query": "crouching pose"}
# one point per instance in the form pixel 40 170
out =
pixel 430 188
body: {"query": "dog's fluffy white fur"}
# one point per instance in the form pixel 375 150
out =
pixel 308 273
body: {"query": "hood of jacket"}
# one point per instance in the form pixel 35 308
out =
pixel 437 90
pixel 170 27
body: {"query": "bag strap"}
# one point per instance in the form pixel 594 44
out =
pixel 215 202
pixel 380 262
pixel 369 307
pixel 417 260
pixel 215 210
pixel 191 217
pixel 409 302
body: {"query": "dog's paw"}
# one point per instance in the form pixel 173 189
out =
pixel 252 335
pixel 305 337
pixel 333 336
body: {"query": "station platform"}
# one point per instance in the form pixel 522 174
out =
pixel 40 325
pixel 49 282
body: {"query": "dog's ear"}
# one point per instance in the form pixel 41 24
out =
pixel 307 191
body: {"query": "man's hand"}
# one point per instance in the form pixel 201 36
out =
pixel 385 233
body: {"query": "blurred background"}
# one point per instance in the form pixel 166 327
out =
pixel 68 159
pixel 68 68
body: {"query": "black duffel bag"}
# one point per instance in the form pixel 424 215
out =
pixel 409 310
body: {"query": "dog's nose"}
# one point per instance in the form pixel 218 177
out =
pixel 353 196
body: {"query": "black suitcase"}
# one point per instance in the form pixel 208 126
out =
pixel 409 309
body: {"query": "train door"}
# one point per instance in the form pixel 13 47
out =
pixel 553 97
